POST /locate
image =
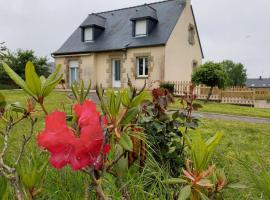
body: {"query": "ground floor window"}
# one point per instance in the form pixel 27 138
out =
pixel 142 67
pixel 73 71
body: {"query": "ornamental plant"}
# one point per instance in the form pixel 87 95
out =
pixel 12 170
pixel 93 139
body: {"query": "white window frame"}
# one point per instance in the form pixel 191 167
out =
pixel 140 24
pixel 73 64
pixel 91 35
pixel 144 66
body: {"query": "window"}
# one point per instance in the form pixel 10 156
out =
pixel 140 28
pixel 142 67
pixel 191 34
pixel 194 64
pixel 88 34
pixel 73 71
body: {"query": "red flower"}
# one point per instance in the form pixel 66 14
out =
pixel 65 147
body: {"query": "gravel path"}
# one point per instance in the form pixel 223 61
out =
pixel 233 117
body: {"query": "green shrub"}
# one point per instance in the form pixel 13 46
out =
pixel 168 86
pixel 268 98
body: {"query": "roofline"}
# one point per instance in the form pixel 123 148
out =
pixel 108 50
pixel 134 6
pixel 197 31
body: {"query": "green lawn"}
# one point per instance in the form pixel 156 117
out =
pixel 240 140
pixel 230 109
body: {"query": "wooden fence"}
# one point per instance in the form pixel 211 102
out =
pixel 233 95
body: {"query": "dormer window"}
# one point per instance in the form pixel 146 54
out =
pixel 88 34
pixel 92 27
pixel 140 28
pixel 144 21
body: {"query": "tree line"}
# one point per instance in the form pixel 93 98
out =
pixel 17 60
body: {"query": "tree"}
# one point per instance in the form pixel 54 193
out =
pixel 237 74
pixel 3 50
pixel 212 75
pixel 18 61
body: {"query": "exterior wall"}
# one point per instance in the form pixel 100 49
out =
pixel 97 67
pixel 179 53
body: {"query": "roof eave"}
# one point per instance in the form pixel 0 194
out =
pixel 106 50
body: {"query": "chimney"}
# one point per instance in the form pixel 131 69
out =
pixel 260 78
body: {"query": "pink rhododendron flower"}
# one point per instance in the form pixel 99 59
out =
pixel 65 147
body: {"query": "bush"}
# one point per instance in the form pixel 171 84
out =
pixel 168 86
pixel 268 98
pixel 8 86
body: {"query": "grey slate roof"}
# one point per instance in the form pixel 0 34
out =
pixel 118 29
pixel 258 82
pixel 145 12
pixel 94 20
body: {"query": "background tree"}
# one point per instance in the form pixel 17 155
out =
pixel 237 74
pixel 3 50
pixel 18 61
pixel 212 75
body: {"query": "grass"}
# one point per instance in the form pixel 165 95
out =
pixel 240 140
pixel 213 107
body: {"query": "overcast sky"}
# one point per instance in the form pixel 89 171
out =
pixel 229 29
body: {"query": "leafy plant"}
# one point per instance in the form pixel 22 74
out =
pixel 32 173
pixel 196 180
pixel 168 86
pixel 80 92
pixel 37 87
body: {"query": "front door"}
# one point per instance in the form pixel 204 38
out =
pixel 116 73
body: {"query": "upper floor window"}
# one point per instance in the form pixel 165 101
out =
pixel 194 64
pixel 191 34
pixel 88 34
pixel 140 28
pixel 142 67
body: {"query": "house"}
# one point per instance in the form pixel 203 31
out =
pixel 151 42
pixel 260 82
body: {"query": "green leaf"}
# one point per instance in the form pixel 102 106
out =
pixel 126 142
pixel 130 115
pixel 175 181
pixel 125 98
pixel 236 186
pixel 32 79
pixel 49 88
pixel 203 196
pixel 3 188
pixel 54 75
pixel 141 97
pixel 51 82
pixel 122 165
pixel 17 79
pixel 185 193
pixel 88 90
pixel 82 92
pixel 17 107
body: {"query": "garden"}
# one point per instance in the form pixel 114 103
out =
pixel 130 144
